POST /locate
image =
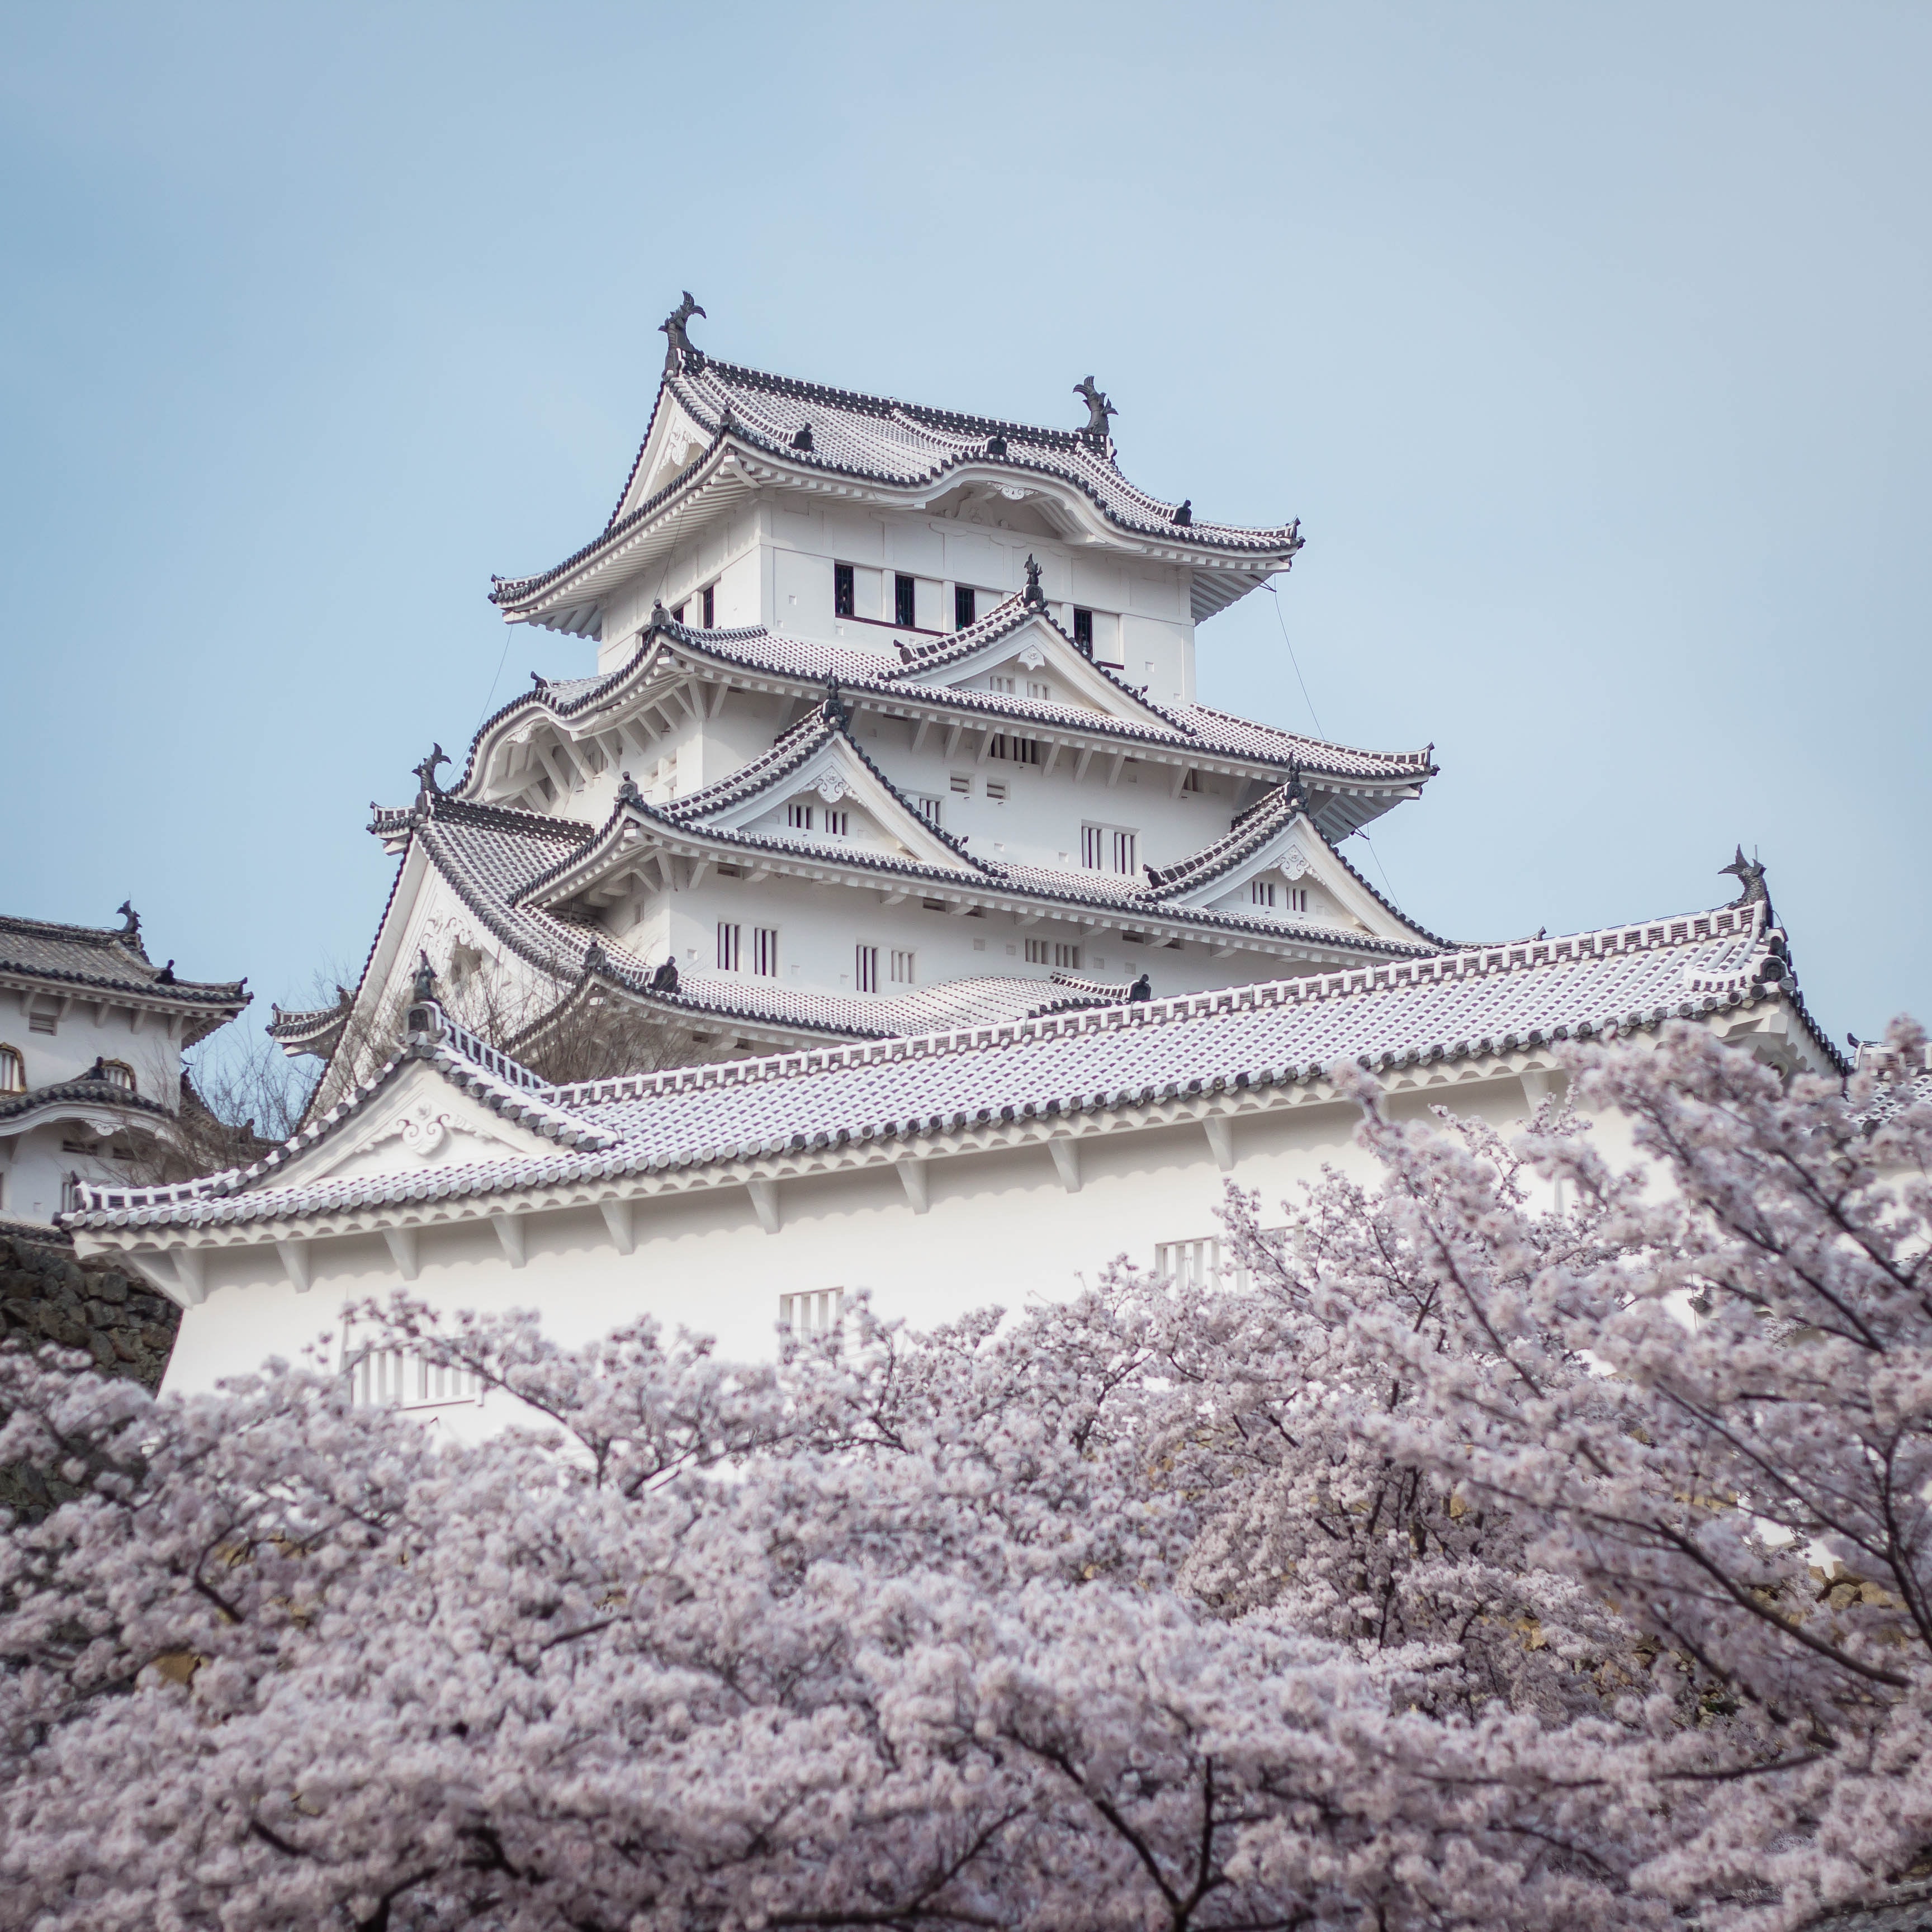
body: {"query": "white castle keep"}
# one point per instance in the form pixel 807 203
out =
pixel 890 803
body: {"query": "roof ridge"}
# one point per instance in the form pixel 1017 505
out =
pixel 1673 930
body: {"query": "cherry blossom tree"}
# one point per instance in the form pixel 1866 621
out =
pixel 1473 1564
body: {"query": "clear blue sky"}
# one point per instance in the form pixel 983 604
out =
pixel 1589 343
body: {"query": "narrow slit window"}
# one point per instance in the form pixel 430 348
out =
pixel 765 951
pixel 902 967
pixel 839 823
pixel 798 818
pixel 964 603
pixel 710 606
pixel 1125 846
pixel 842 591
pixel 928 809
pixel 905 603
pixel 1039 951
pixel 1298 898
pixel 865 968
pixel 1262 892
pixel 1067 957
pixel 727 947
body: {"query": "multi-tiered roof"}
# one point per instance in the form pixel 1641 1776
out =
pixel 544 831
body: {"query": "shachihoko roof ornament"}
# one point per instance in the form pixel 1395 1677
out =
pixel 1096 434
pixel 680 353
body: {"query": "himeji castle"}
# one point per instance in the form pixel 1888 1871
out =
pixel 893 728
pixel 959 949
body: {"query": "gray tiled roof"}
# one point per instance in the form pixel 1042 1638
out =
pixel 1445 1007
pixel 904 445
pixel 69 957
pixel 1184 726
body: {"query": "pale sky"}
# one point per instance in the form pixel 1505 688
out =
pixel 1589 343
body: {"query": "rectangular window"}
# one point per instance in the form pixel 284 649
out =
pixel 902 965
pixel 765 952
pixel 964 602
pixel 1067 957
pixel 962 785
pixel 996 790
pixel 842 591
pixel 1083 630
pixel 1015 750
pixel 1192 782
pixel 710 606
pixel 1188 1264
pixel 1110 848
pixel 839 823
pixel 727 947
pixel 1298 898
pixel 402 1378
pixel 1262 893
pixel 865 968
pixel 816 1313
pixel 904 603
pixel 1005 684
pixel 1035 689
pixel 798 818
pixel 677 616
pixel 1038 952
pixel 928 809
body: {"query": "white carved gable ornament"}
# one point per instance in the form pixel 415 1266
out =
pixel 1033 657
pixel 831 787
pixel 421 1129
pixel 1296 863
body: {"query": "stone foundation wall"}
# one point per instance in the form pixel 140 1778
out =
pixel 48 1295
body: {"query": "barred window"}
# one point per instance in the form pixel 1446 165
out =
pixel 842 602
pixel 1038 952
pixel 727 947
pixel 818 1312
pixel 964 602
pixel 798 818
pixel 901 966
pixel 765 951
pixel 118 1073
pixel 905 604
pixel 710 605
pixel 1083 630
pixel 13 1070
pixel 928 809
pixel 865 968
pixel 839 823
pixel 1067 957
pixel 1109 848
pixel 1262 892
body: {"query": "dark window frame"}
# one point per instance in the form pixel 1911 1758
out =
pixel 844 598
pixel 905 601
pixel 710 606
pixel 965 603
pixel 1083 630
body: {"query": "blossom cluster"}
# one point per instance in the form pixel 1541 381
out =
pixel 1480 1562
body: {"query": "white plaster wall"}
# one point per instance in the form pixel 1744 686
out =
pixel 1000 1228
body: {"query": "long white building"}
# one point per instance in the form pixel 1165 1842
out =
pixel 889 800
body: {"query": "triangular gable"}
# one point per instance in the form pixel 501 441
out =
pixel 1304 880
pixel 1028 647
pixel 673 444
pixel 849 806
pixel 425 1111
